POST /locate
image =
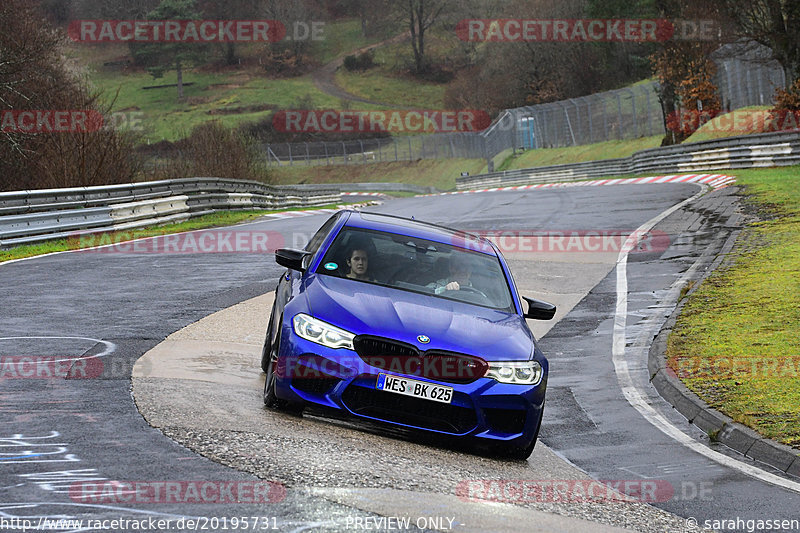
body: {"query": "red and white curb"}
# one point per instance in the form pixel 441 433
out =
pixel 715 181
pixel 302 213
pixel 375 194
pixel 309 212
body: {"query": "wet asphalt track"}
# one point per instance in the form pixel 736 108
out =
pixel 57 431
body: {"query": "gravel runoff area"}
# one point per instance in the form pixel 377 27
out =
pixel 202 387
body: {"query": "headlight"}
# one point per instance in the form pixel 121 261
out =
pixel 516 373
pixel 316 330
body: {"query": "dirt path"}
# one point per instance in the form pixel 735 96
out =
pixel 324 77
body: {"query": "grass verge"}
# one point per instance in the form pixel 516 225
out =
pixel 440 173
pixel 743 121
pixel 737 342
pixel 213 220
pixel 578 154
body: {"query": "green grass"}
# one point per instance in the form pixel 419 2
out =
pixel 390 83
pixel 232 98
pixel 577 154
pixel 341 37
pixel 213 220
pixel 382 86
pixel 440 173
pixel 737 341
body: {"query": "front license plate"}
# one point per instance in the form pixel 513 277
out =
pixel 412 387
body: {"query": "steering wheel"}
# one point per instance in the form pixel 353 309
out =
pixel 469 289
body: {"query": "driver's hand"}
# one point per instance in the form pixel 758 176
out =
pixel 452 286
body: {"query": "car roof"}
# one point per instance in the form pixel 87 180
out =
pixel 419 229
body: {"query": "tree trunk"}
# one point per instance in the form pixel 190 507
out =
pixel 421 36
pixel 179 70
pixel 230 53
pixel 791 70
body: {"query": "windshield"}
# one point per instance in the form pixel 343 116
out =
pixel 418 265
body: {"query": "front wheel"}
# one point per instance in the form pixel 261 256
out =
pixel 266 351
pixel 271 399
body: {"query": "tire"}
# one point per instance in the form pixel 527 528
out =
pixel 268 361
pixel 271 399
pixel 265 352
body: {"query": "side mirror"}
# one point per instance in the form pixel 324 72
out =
pixel 293 259
pixel 539 310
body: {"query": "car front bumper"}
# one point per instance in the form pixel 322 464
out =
pixel 338 378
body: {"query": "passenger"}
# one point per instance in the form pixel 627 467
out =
pixel 460 273
pixel 358 263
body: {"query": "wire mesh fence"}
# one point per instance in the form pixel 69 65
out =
pixel 613 115
pixel 745 76
pixel 409 148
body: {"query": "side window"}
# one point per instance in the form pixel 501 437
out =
pixel 316 241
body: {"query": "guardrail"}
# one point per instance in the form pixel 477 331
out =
pixel 747 151
pixel 28 217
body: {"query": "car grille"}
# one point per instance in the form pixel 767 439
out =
pixel 425 414
pixel 402 358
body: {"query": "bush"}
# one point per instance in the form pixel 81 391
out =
pixel 211 151
pixel 788 100
pixel 360 62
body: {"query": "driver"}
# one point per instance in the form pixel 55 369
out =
pixel 358 262
pixel 460 273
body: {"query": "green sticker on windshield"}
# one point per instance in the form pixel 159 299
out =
pixel 331 266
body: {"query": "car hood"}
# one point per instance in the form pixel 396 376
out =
pixel 364 308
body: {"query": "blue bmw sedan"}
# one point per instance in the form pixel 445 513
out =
pixel 411 324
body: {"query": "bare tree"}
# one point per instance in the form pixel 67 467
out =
pixel 420 16
pixel 773 23
pixel 33 76
pixel 231 10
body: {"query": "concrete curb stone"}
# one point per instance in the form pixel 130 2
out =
pixel 719 427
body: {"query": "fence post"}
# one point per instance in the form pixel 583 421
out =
pixel 291 161
pixel 569 123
